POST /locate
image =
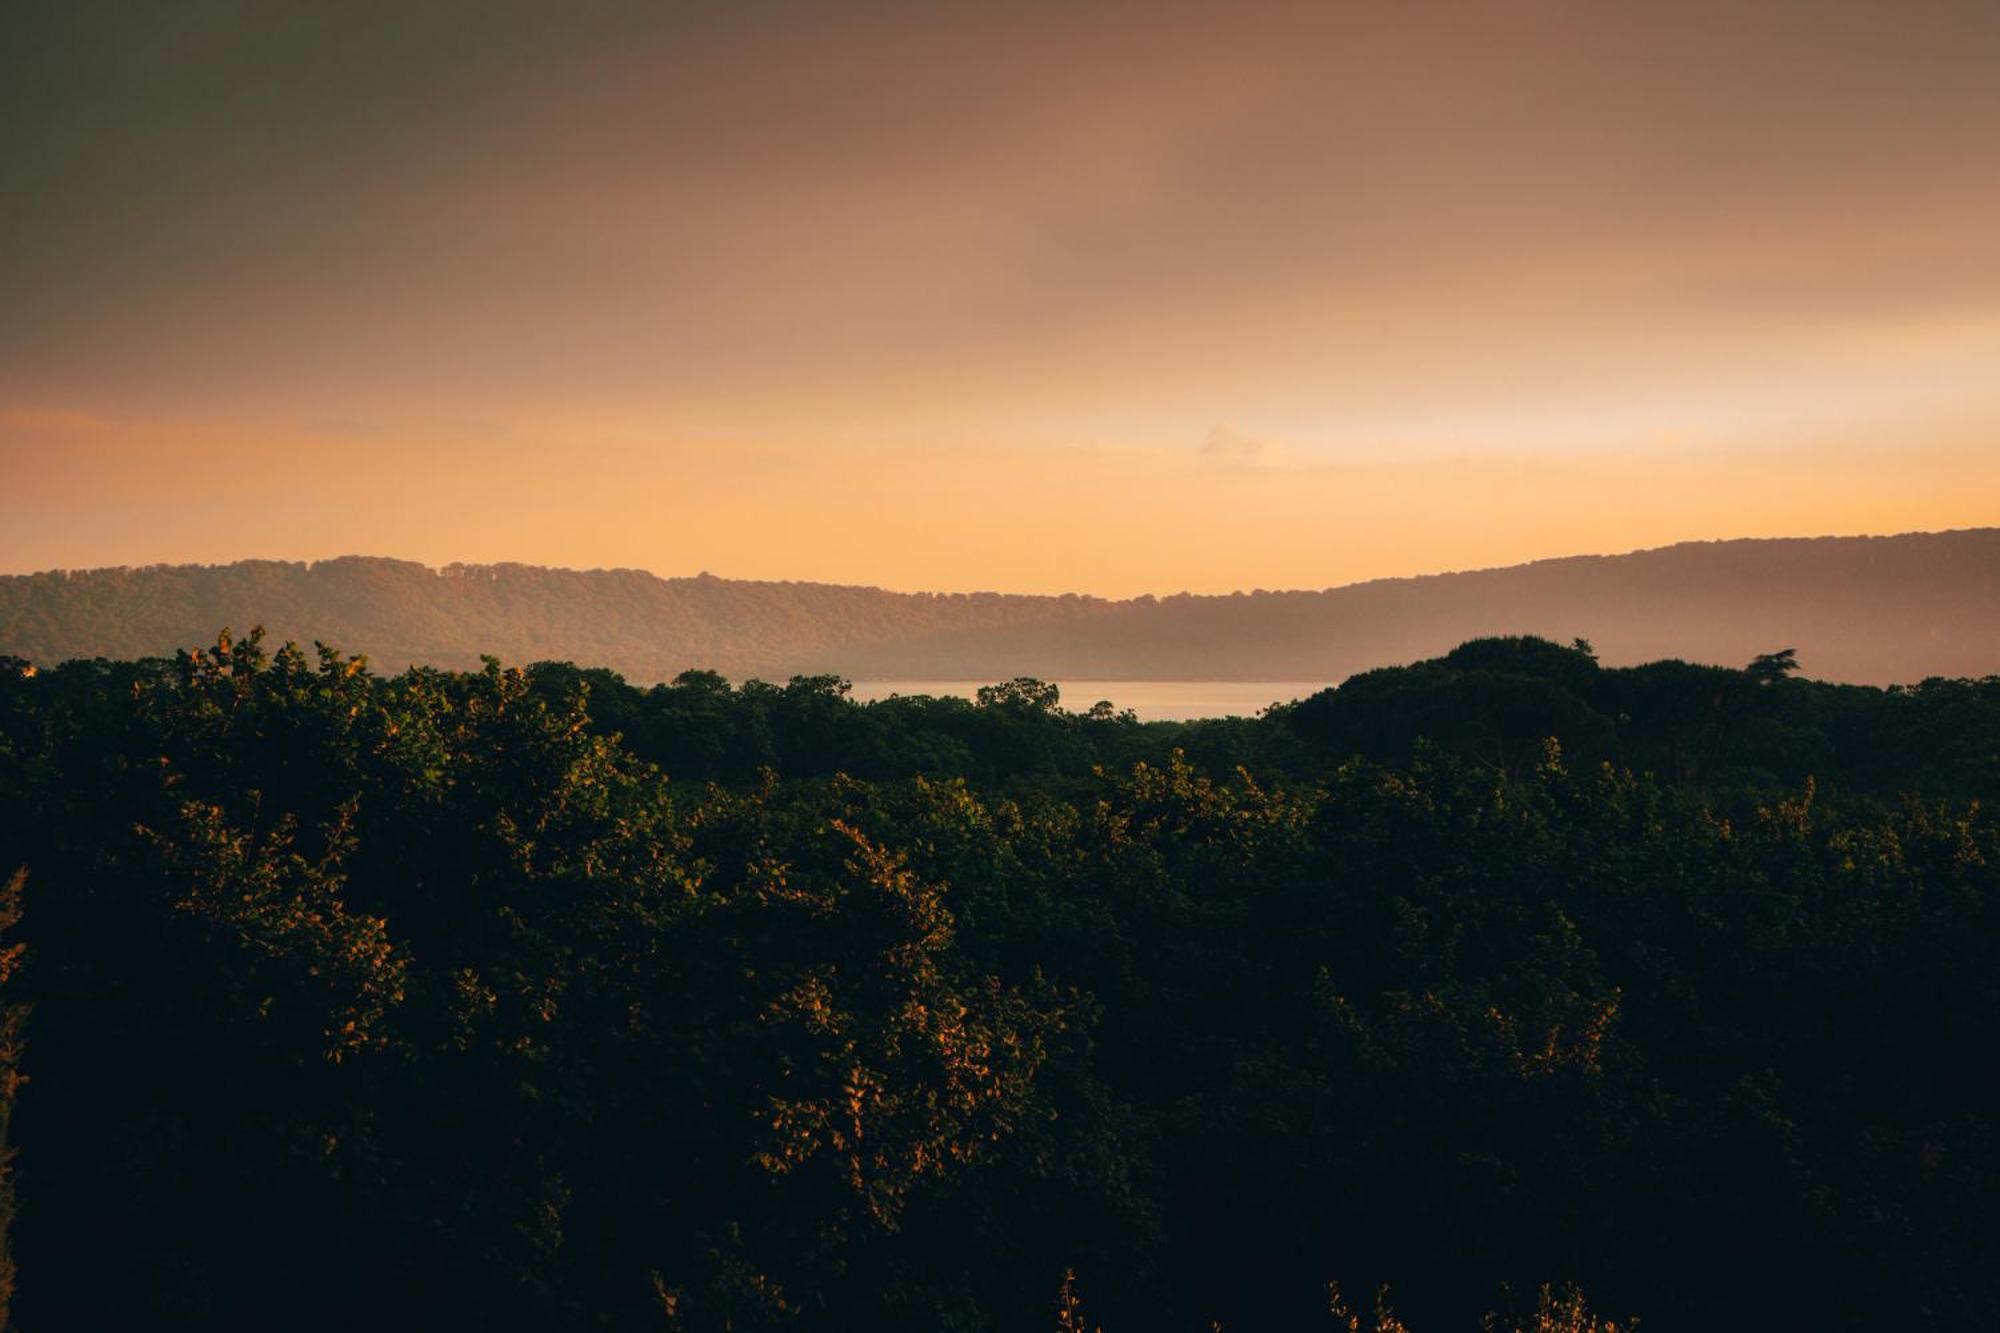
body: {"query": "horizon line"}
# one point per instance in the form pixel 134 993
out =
pixel 450 567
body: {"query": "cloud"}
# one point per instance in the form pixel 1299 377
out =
pixel 1228 444
pixel 46 421
pixel 343 428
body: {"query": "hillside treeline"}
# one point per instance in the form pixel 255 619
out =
pixel 1868 610
pixel 402 614
pixel 1491 702
pixel 1865 610
pixel 523 998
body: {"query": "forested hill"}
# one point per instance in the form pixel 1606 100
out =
pixel 401 613
pixel 1859 609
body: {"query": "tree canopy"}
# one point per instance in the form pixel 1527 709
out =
pixel 526 997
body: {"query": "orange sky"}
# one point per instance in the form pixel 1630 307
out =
pixel 1026 296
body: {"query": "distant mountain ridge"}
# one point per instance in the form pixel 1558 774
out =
pixel 1872 610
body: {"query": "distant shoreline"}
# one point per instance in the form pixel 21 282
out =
pixel 1858 610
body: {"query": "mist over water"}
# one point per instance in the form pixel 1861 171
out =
pixel 1152 700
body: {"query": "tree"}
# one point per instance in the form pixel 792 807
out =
pixel 1023 694
pixel 1769 668
pixel 13 1017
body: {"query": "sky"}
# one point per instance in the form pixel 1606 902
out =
pixel 1020 296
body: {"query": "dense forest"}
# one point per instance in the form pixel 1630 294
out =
pixel 526 997
pixel 1865 610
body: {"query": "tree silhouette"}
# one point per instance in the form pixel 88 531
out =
pixel 1769 668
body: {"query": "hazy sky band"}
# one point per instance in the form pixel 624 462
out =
pixel 1018 296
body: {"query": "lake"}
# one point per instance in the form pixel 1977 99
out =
pixel 1152 700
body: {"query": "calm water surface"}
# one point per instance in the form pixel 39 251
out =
pixel 1152 700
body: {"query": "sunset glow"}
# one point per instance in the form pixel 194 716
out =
pixel 1018 297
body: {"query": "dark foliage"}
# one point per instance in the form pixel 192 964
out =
pixel 533 999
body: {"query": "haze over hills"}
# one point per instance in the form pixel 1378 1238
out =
pixel 1863 609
